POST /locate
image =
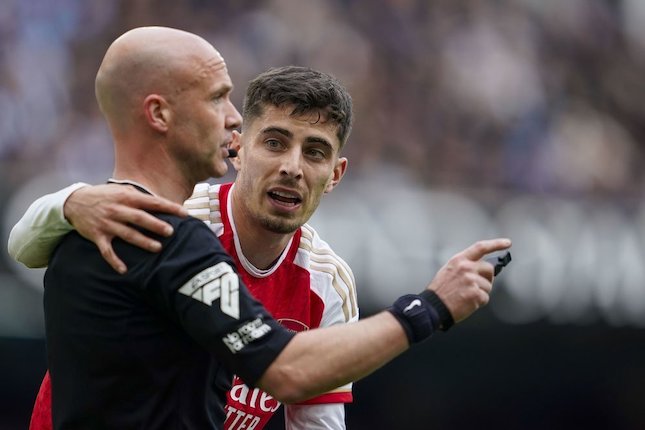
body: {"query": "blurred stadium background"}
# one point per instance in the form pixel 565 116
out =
pixel 473 119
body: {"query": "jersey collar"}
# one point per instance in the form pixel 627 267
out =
pixel 129 182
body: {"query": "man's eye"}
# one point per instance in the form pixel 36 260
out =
pixel 273 144
pixel 316 153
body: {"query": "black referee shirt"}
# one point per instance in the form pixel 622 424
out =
pixel 154 348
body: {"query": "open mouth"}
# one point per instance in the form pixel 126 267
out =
pixel 285 198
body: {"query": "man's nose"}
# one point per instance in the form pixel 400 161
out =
pixel 233 117
pixel 291 164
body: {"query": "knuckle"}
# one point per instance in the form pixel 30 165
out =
pixel 480 246
pixel 470 278
pixel 106 251
pixel 128 235
pixel 138 218
pixel 125 194
pixel 120 193
pixel 110 210
pixel 463 265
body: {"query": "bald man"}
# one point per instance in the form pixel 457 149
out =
pixel 132 351
pixel 165 95
pixel 155 347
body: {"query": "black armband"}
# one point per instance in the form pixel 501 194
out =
pixel 418 318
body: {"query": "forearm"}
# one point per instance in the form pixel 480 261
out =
pixel 34 237
pixel 317 361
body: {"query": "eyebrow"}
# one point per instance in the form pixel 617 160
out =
pixel 222 89
pixel 287 133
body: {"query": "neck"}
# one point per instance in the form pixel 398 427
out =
pixel 260 246
pixel 156 172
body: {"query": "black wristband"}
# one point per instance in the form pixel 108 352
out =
pixel 445 317
pixel 418 318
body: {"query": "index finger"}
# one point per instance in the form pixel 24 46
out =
pixel 478 249
pixel 157 204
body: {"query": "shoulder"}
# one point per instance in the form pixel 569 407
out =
pixel 184 224
pixel 204 204
pixel 188 231
pixel 332 278
pixel 191 248
pixel 204 199
pixel 320 253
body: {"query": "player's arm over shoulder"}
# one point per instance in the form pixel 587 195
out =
pixel 33 239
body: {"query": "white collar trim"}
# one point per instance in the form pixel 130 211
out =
pixel 254 271
pixel 129 182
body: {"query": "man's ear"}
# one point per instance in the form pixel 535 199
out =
pixel 337 174
pixel 236 144
pixel 157 112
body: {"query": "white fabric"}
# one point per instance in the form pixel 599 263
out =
pixel 33 239
pixel 330 416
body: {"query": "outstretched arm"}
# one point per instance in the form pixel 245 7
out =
pixel 319 360
pixel 99 213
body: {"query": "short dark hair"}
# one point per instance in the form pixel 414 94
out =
pixel 307 90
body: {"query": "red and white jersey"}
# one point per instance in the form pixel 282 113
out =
pixel 308 287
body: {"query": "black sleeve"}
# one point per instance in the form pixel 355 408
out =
pixel 196 282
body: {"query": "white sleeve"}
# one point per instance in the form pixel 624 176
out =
pixel 33 239
pixel 325 416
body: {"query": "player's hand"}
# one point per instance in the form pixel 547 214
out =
pixel 102 212
pixel 464 283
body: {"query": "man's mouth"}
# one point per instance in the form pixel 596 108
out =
pixel 285 197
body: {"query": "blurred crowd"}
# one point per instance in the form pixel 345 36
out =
pixel 533 107
pixel 539 96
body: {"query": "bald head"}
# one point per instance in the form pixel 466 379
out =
pixel 149 60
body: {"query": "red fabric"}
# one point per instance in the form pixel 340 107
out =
pixel 287 295
pixel 339 397
pixel 41 416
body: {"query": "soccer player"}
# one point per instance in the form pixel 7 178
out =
pixel 255 348
pixel 283 261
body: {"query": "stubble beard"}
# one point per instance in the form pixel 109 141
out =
pixel 279 225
